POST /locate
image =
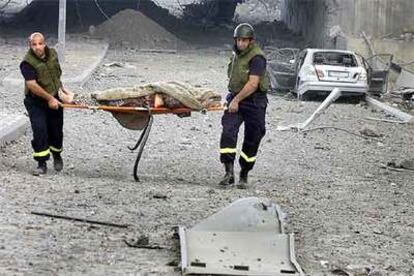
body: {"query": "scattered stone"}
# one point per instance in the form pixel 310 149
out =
pixel 375 273
pixel 324 264
pixel 402 164
pixel 377 231
pixel 369 131
pixel 195 128
pixel 113 64
pixel 211 191
pixel 390 268
pixel 159 196
pixel 339 271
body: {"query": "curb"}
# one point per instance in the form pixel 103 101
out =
pixel 16 80
pixel 13 129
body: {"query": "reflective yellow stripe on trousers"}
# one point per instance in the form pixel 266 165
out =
pixel 246 158
pixel 41 153
pixel 55 149
pixel 228 150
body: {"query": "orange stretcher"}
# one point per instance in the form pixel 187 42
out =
pixel 140 118
pixel 133 109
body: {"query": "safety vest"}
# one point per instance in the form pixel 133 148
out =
pixel 47 70
pixel 238 70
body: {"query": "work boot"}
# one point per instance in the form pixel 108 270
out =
pixel 228 178
pixel 41 169
pixel 57 162
pixel 243 180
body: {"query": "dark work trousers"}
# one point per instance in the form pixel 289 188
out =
pixel 47 127
pixel 252 112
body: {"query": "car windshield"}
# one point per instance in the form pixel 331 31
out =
pixel 335 59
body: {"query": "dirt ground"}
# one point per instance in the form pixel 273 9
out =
pixel 347 210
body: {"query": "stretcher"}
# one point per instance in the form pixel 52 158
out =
pixel 140 118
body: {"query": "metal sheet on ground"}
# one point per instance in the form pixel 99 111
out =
pixel 245 238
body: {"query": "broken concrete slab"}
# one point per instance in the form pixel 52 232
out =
pixel 12 126
pixel 405 80
pixel 407 164
pixel 404 117
pixel 245 238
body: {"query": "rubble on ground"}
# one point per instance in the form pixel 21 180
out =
pixel 131 28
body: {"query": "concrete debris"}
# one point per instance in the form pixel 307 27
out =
pixel 131 28
pixel 404 117
pixel 338 271
pixel 370 131
pixel 119 65
pixel 142 242
pixel 159 196
pixel 402 164
pixel 405 80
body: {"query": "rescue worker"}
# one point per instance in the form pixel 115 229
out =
pixel 247 103
pixel 41 71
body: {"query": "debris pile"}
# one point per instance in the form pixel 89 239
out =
pixel 133 29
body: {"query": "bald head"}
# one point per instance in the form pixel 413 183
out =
pixel 36 34
pixel 37 44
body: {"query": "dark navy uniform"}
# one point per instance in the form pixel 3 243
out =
pixel 252 112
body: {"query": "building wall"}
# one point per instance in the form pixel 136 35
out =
pixel 378 18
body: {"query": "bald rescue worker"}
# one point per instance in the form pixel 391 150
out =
pixel 247 103
pixel 41 71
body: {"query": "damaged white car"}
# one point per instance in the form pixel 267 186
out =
pixel 319 71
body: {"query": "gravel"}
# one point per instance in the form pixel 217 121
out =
pixel 346 208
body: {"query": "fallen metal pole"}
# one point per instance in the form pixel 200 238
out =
pixel 80 220
pixel 333 96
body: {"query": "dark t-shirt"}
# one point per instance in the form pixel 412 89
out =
pixel 257 66
pixel 28 72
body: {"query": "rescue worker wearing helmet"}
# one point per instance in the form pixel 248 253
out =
pixel 247 103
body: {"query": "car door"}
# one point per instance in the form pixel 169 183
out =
pixel 378 72
pixel 281 68
pixel 299 63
